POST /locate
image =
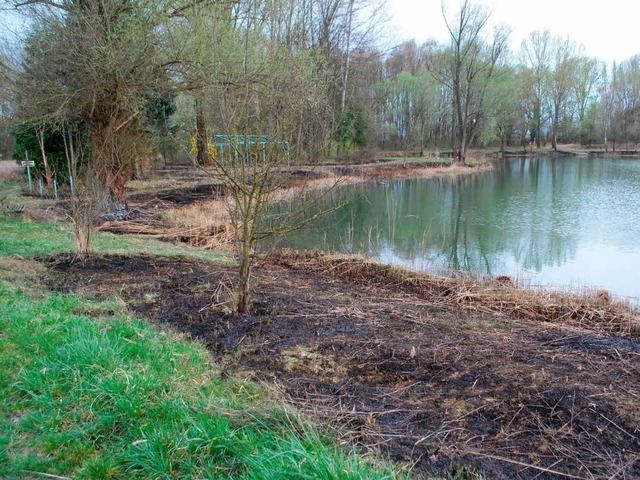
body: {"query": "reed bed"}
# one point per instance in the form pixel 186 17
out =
pixel 595 311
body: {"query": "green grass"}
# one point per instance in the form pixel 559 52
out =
pixel 9 185
pixel 88 392
pixel 30 239
pixel 10 193
pixel 110 397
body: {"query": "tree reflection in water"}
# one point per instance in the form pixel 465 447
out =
pixel 559 221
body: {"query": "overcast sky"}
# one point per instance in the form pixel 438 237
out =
pixel 609 30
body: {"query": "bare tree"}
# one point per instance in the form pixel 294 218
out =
pixel 86 205
pixel 97 62
pixel 6 82
pixel 625 95
pixel 563 77
pixel 88 198
pixel 535 53
pixel 48 172
pixel 588 75
pixel 258 89
pixel 265 198
pixel 466 68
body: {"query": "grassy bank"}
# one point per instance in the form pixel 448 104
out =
pixel 446 375
pixel 32 238
pixel 86 391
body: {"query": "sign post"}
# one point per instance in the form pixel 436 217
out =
pixel 28 163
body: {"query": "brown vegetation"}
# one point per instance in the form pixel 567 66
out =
pixel 597 312
pixel 420 367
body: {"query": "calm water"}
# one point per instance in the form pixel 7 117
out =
pixel 565 223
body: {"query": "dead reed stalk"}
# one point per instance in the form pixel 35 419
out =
pixel 586 311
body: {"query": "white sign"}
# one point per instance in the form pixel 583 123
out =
pixel 29 163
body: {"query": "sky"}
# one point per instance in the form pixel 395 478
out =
pixel 609 31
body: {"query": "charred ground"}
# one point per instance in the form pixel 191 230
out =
pixel 429 384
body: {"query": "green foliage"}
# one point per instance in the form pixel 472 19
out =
pixel 351 130
pixel 159 109
pixel 26 139
pixel 588 129
pixel 110 397
pixel 158 112
pixel 503 99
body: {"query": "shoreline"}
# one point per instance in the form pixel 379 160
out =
pixel 432 371
pixel 200 223
pixel 192 216
pixel 594 310
pixel 330 177
pixel 424 368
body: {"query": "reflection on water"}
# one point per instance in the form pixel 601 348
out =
pixel 560 222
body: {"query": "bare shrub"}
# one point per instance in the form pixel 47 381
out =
pixel 89 201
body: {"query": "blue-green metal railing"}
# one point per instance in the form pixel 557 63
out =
pixel 235 141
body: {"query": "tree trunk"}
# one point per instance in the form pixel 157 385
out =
pixel 299 142
pixel 202 141
pixel 538 123
pixel 111 169
pixel 554 130
pixel 345 77
pixel 243 284
pixel 462 152
pixel 83 240
pixel 47 169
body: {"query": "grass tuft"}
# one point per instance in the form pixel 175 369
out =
pixel 114 398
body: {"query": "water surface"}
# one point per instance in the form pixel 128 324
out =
pixel 565 223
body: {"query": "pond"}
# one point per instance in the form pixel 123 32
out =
pixel 566 223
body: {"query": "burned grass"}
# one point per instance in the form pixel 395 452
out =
pixel 597 312
pixel 430 383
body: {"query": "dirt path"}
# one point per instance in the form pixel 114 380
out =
pixel 429 385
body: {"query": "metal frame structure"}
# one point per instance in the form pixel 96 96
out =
pixel 233 142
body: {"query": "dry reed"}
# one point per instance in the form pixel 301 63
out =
pixel 202 224
pixel 592 311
